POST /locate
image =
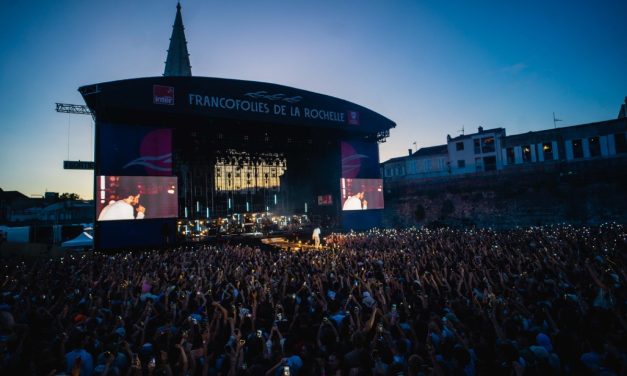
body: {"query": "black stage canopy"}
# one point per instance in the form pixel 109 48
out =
pixel 161 99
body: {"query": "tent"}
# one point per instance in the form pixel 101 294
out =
pixel 84 240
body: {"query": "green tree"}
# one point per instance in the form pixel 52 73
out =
pixel 69 197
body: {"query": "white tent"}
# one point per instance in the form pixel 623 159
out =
pixel 84 240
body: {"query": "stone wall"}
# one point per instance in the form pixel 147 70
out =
pixel 586 193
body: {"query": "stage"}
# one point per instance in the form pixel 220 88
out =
pixel 189 150
pixel 287 245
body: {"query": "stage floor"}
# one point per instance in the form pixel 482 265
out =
pixel 286 245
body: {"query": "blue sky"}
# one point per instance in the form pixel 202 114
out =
pixel 431 66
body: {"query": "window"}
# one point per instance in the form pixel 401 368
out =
pixel 461 163
pixel 621 143
pixel 595 146
pixel 577 149
pixel 547 151
pixel 526 153
pixel 427 165
pixel 489 163
pixel 441 164
pixel 511 157
pixel 459 146
pixel 487 144
pixel 477 144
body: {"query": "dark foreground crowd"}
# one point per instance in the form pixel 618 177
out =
pixel 536 301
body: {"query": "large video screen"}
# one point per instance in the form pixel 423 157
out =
pixel 361 194
pixel 136 197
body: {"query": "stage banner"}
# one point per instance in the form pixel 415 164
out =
pixel 134 150
pixel 360 160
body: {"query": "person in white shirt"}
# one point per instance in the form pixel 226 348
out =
pixel 355 202
pixel 123 209
pixel 316 236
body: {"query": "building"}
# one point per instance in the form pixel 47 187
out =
pixel 12 202
pixel 604 139
pixel 476 152
pixel 17 208
pixel 426 162
pixel 492 150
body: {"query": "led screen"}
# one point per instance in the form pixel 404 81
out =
pixel 361 194
pixel 325 200
pixel 136 197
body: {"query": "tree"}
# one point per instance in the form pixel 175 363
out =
pixel 69 197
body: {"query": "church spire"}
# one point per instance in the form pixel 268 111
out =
pixel 177 63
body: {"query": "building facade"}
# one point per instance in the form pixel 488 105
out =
pixel 581 142
pixel 492 150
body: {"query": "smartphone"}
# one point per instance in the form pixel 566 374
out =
pixel 286 370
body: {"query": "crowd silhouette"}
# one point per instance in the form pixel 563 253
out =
pixel 531 301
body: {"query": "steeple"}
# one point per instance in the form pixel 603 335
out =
pixel 177 63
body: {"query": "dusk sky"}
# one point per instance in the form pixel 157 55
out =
pixel 433 67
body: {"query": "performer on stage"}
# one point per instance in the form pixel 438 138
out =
pixel 316 236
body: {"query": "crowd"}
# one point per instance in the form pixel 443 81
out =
pixel 533 301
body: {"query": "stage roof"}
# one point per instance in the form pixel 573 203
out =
pixel 164 100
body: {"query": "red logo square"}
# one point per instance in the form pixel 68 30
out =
pixel 163 95
pixel 353 117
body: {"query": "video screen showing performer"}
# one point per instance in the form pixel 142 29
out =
pixel 136 197
pixel 361 194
